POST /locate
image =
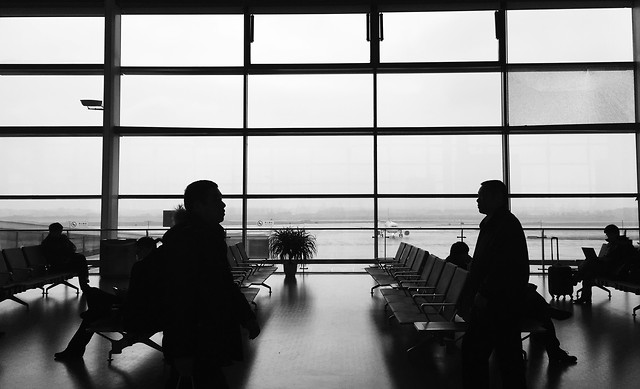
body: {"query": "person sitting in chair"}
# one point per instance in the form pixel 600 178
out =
pixel 616 254
pixel 100 306
pixel 61 254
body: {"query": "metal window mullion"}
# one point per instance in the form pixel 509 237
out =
pixel 111 120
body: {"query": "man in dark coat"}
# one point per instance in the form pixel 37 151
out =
pixel 204 308
pixel 494 294
pixel 61 255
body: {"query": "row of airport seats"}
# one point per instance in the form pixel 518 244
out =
pixel 423 291
pixel 26 268
pixel 246 273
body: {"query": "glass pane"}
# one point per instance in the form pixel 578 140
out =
pixel 310 39
pixel 581 97
pixel 437 164
pixel 166 165
pixel 438 37
pixel 577 35
pixel 324 218
pixel 576 212
pixel 432 224
pixel 182 40
pixel 311 101
pixel 598 163
pixel 310 165
pixel 182 101
pixel 38 214
pixel 49 100
pixel 50 166
pixel 453 99
pixel 51 40
pixel 142 214
pixel 582 221
pixel 25 222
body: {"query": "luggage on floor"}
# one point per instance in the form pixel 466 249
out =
pixel 559 277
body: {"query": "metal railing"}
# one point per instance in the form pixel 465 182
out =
pixel 344 245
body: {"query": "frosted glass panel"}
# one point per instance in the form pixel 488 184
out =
pixel 571 97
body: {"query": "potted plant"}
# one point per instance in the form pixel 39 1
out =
pixel 292 246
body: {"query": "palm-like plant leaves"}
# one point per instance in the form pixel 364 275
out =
pixel 293 244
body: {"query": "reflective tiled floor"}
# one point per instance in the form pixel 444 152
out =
pixel 323 331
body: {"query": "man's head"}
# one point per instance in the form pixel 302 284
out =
pixel 612 232
pixel 204 200
pixel 492 196
pixel 459 249
pixel 55 228
pixel 144 246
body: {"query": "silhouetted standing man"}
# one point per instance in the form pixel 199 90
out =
pixel 494 294
pixel 204 308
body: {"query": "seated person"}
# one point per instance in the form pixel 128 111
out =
pixel 100 306
pixel 537 309
pixel 617 254
pixel 459 255
pixel 61 255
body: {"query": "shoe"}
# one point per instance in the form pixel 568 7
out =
pixel 559 314
pixel 582 301
pixel 68 355
pixel 561 357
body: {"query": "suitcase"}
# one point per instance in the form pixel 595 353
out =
pixel 560 280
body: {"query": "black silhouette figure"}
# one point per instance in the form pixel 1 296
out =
pixel 61 255
pixel 100 306
pixel 536 308
pixel 616 256
pixel 204 308
pixel 494 295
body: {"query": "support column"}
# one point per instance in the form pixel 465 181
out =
pixel 636 75
pixel 111 120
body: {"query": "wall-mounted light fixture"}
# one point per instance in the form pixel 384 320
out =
pixel 93 105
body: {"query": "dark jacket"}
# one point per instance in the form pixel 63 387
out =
pixel 58 249
pixel 204 308
pixel 620 255
pixel 500 268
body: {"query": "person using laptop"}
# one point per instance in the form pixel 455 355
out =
pixel 614 256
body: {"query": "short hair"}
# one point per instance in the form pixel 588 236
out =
pixel 197 192
pixel 496 188
pixel 55 227
pixel 612 229
pixel 146 242
pixel 459 248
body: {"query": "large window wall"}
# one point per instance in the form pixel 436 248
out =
pixel 368 125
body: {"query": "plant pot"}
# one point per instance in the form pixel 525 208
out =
pixel 290 268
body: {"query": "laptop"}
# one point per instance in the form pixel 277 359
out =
pixel 589 253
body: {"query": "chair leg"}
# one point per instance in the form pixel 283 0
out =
pixel 266 286
pixel 635 309
pixel 372 289
pixel 605 289
pixel 17 300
